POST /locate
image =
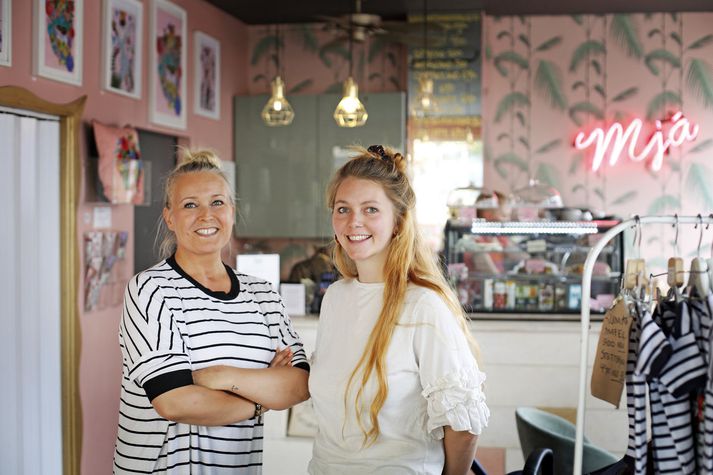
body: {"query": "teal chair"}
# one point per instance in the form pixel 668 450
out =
pixel 540 429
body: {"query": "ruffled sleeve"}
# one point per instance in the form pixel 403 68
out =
pixel 451 380
pixel 457 400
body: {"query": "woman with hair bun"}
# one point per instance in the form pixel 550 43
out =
pixel 394 382
pixel 206 350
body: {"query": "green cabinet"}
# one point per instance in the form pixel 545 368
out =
pixel 282 172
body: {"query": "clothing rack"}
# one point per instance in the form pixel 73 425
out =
pixel 586 295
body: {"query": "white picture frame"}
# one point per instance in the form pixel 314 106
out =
pixel 168 75
pixel 206 75
pixel 58 56
pixel 122 47
pixel 5 32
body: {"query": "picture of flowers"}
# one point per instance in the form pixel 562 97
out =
pixel 122 37
pixel 5 33
pixel 206 75
pixel 58 40
pixel 168 65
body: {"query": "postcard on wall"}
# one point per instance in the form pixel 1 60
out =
pixel 58 36
pixel 167 78
pixel 206 75
pixel 122 41
pixel 5 32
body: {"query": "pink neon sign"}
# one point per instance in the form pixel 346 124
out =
pixel 670 132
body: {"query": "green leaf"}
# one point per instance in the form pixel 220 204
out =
pixel 503 34
pixel 488 52
pixel 596 66
pixel 701 42
pixel 548 175
pixel 577 161
pixel 599 193
pixel 601 91
pixel 509 159
pixel 548 83
pixel 699 81
pixel 664 203
pixel 698 184
pixel 376 47
pixel 266 45
pixel 577 188
pixel 509 102
pixel 551 145
pixel 391 57
pixel 674 16
pixel 584 51
pixel 374 76
pixel 260 77
pixel 525 143
pixel 705 145
pixel 395 82
pixel 502 136
pixel 653 32
pixel 578 19
pixel 624 95
pixel 509 57
pixel 524 39
pixel 578 84
pixel 657 106
pixel 625 35
pixel 663 56
pixel 549 44
pixel 584 108
pixel 335 88
pixel 625 198
pixel 520 118
pixel 309 40
pixel 334 47
pixel 301 86
pixel 676 37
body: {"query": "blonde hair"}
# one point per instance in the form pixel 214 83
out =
pixel 191 161
pixel 408 260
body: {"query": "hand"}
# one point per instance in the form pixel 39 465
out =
pixel 282 357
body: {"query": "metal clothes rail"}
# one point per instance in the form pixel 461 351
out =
pixel 586 295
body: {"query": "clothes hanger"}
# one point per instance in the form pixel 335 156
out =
pixel 698 279
pixel 635 269
pixel 675 267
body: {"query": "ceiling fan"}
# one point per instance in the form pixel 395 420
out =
pixel 360 26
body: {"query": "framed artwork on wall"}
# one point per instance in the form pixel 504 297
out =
pixel 58 37
pixel 122 44
pixel 167 79
pixel 206 75
pixel 5 33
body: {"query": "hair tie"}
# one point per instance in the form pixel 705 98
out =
pixel 379 151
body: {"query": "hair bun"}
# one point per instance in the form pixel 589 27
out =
pixel 399 162
pixel 205 157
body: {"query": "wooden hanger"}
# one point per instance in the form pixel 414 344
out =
pixel 675 273
pixel 698 279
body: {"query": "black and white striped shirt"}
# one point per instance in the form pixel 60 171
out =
pixel 172 325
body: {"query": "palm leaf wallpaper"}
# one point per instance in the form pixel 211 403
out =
pixel 594 70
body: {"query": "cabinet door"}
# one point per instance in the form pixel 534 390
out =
pixel 276 170
pixel 385 126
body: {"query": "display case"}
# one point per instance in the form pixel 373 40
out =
pixel 530 267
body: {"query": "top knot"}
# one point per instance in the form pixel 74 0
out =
pixel 388 156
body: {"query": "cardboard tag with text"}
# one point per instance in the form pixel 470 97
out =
pixel 609 371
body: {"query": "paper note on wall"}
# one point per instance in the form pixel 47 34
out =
pixel 264 266
pixel 609 371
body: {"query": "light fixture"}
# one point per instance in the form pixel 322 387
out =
pixel 350 112
pixel 425 100
pixel 278 110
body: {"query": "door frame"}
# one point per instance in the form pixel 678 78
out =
pixel 70 115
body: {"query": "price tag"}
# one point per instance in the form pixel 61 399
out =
pixel 609 372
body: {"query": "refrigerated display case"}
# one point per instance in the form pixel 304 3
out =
pixel 530 267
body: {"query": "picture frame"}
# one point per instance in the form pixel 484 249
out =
pixel 122 46
pixel 167 78
pixel 206 75
pixel 58 31
pixel 5 32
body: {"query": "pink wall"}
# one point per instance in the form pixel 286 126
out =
pixel 100 362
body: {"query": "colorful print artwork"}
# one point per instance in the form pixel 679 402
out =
pixel 120 165
pixel 206 73
pixel 168 64
pixel 58 40
pixel 59 22
pixel 123 25
pixel 207 78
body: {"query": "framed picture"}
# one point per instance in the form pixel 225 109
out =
pixel 167 79
pixel 58 33
pixel 5 33
pixel 122 41
pixel 206 75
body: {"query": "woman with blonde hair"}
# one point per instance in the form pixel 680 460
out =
pixel 394 380
pixel 206 350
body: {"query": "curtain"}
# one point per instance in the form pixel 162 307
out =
pixel 30 359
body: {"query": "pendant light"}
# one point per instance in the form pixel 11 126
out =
pixel 350 112
pixel 277 111
pixel 425 100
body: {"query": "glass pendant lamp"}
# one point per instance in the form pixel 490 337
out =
pixel 277 111
pixel 350 111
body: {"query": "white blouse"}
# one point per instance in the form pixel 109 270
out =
pixel 433 381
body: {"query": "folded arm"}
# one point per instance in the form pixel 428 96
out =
pixel 197 405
